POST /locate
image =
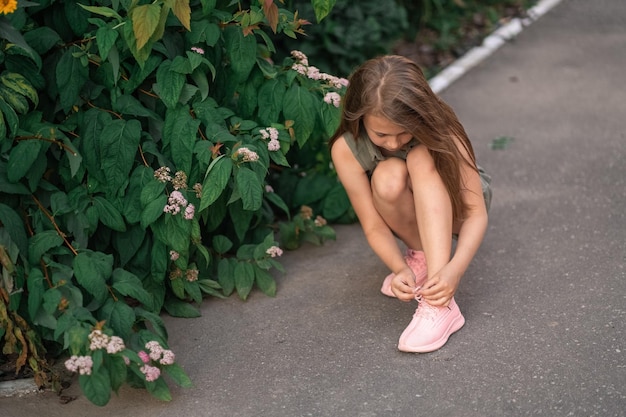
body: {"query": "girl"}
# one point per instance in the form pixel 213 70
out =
pixel 410 173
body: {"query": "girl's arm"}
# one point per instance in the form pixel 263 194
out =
pixel 380 238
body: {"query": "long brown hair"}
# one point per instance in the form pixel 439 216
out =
pixel 394 87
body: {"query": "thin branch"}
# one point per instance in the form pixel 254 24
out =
pixel 51 218
pixel 55 141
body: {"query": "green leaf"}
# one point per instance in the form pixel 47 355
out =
pixel 265 282
pixel 208 286
pixel 174 231
pixel 127 104
pixel 244 279
pixel 159 390
pixel 21 47
pixel 94 123
pixel 145 20
pixel 36 289
pixel 65 322
pixel 109 215
pixel 19 84
pixel 300 106
pixel 76 17
pixel 221 244
pixel 179 308
pixel 178 375
pixel 128 243
pixel 105 39
pixel 117 371
pixel 330 117
pixel 204 31
pixel 277 200
pixel 322 8
pixel 241 51
pixel 74 158
pixel 225 275
pixel 51 299
pixel 336 203
pixel 157 323
pixel 22 157
pixel 311 189
pixel 181 130
pixel 289 236
pixel 71 76
pixel 75 339
pixel 127 284
pixel 119 316
pixel 159 261
pixel 215 181
pixel 200 78
pixel 178 288
pixel 96 387
pixel 118 147
pixel 279 158
pixel 250 188
pixel 12 122
pixel 271 97
pixel 169 84
pixel 153 210
pixel 133 206
pixel 92 270
pixel 14 225
pixel 240 218
pixel 102 11
pixel 268 69
pixel 42 242
pixel 42 39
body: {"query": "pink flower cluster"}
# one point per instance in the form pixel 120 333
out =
pixel 302 67
pixel 247 154
pixel 99 340
pixel 271 133
pixel 80 364
pixel 152 373
pixel 274 251
pixel 197 50
pixel 156 354
pixel 174 255
pixel 175 202
pixel 332 98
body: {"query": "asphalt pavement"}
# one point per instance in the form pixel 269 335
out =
pixel 544 299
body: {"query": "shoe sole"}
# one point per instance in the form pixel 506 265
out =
pixel 454 326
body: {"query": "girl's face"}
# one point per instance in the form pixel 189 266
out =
pixel 385 134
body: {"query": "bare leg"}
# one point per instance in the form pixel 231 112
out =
pixel 393 199
pixel 433 209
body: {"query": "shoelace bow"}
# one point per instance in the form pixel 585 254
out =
pixel 424 309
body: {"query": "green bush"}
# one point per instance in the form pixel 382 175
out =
pixel 352 33
pixel 140 143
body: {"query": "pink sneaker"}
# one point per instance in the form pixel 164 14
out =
pixel 416 260
pixel 430 327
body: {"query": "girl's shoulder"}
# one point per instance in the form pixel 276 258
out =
pixel 363 150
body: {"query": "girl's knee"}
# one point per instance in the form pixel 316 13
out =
pixel 420 160
pixel 389 179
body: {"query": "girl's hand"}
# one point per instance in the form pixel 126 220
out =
pixel 439 290
pixel 403 285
